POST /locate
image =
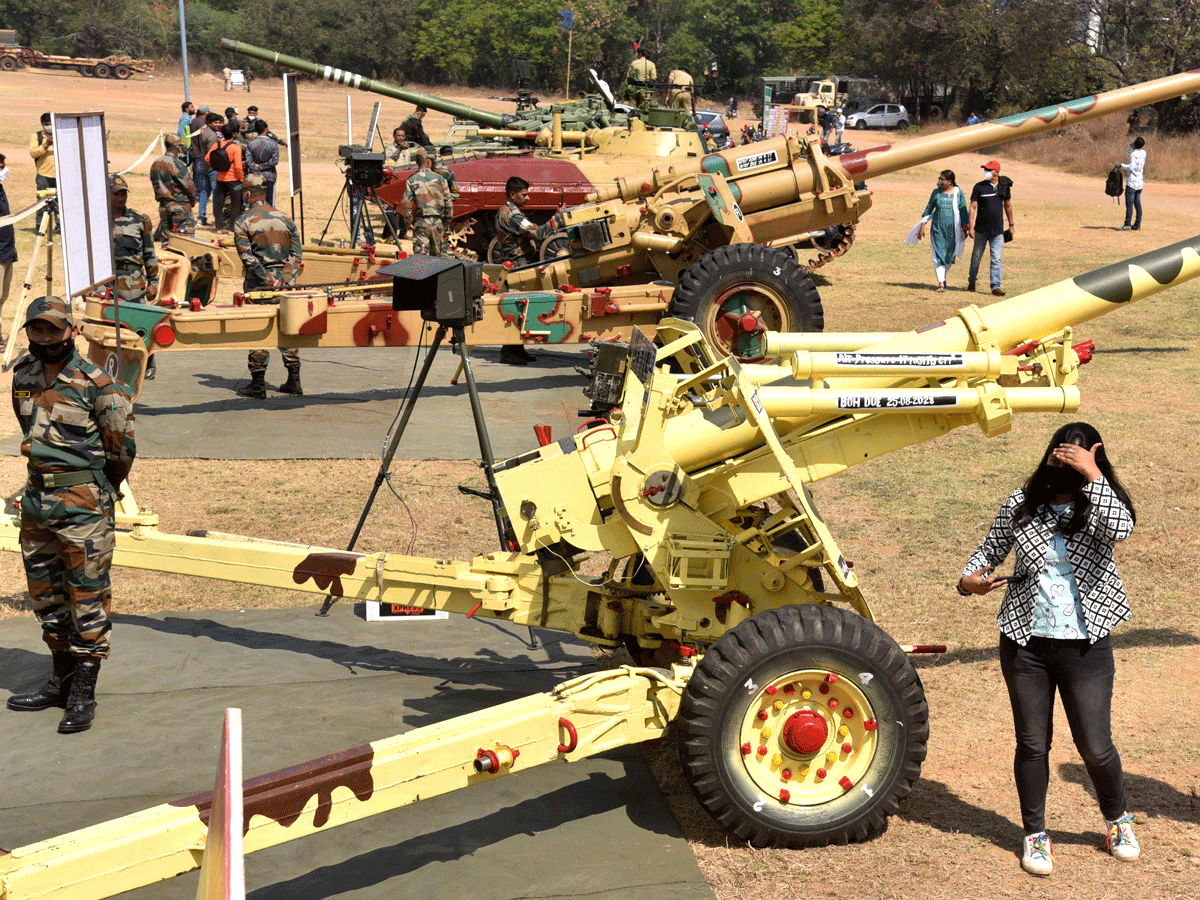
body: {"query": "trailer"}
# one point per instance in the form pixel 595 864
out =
pixel 122 67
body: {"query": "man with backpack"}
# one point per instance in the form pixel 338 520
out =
pixel 225 158
pixel 1133 187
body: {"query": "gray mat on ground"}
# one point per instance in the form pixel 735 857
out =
pixel 351 398
pixel 308 687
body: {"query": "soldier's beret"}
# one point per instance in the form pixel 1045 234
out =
pixel 117 183
pixel 52 309
pixel 254 182
pixel 171 140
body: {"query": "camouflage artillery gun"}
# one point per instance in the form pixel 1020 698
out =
pixel 593 140
pixel 801 721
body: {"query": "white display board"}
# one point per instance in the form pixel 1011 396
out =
pixel 81 162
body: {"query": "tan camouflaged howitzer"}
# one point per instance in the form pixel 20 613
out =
pixel 801 722
pixel 727 228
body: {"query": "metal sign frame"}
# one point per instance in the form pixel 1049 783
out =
pixel 81 164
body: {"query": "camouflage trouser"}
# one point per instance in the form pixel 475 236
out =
pixel 174 217
pixel 429 237
pixel 130 286
pixel 67 540
pixel 257 360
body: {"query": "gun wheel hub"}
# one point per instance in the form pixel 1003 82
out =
pixel 808 737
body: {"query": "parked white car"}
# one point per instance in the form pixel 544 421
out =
pixel 881 115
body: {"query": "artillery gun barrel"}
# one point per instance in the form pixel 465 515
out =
pixel 769 170
pixel 350 79
pixel 569 137
pixel 1008 323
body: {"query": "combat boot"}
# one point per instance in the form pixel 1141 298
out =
pixel 257 388
pixel 81 704
pixel 54 692
pixel 292 385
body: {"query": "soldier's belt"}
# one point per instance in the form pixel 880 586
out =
pixel 51 480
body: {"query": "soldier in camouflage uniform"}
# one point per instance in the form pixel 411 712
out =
pixel 77 435
pixel 427 207
pixel 517 241
pixel 174 190
pixel 133 247
pixel 441 166
pixel 269 245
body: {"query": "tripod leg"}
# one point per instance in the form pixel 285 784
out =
pixel 336 205
pixel 390 451
pixel 503 526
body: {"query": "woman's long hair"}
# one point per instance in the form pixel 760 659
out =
pixel 1040 493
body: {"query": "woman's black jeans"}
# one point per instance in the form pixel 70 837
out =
pixel 1083 674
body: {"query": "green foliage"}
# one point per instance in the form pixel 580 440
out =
pixel 813 41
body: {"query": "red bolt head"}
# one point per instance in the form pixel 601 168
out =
pixel 831 678
pixel 846 783
pixel 786 774
pixel 821 773
pixel 848 713
pixel 785 795
pixel 847 747
pixel 746 748
pixel 870 725
pixel 646 186
pixel 833 704
pixel 762 750
pixel 762 715
pixel 824 689
pixel 789 689
pixel 772 690
pixel 508 264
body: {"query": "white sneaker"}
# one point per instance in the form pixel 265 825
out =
pixel 1038 858
pixel 1121 842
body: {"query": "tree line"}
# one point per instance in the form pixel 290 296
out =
pixel 993 57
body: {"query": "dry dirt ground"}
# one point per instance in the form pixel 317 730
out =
pixel 909 519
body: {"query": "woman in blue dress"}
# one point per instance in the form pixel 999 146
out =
pixel 946 218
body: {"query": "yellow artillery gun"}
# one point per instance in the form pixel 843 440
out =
pixel 801 721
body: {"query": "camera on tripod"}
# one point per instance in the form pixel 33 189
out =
pixel 363 168
pixel 446 291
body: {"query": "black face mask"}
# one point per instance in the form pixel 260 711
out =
pixel 1064 479
pixel 52 354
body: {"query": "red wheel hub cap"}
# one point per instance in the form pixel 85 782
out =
pixel 805 732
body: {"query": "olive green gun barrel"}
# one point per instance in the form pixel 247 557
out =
pixel 350 79
pixel 768 172
pixel 1001 326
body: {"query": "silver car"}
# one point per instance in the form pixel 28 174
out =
pixel 881 115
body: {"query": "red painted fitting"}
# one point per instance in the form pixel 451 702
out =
pixel 847 747
pixel 833 704
pixel 543 434
pixel 762 715
pixel 786 774
pixel 772 690
pixel 846 783
pixel 831 677
pixel 474 609
pixel 486 761
pixel 824 688
pixel 574 736
pixel 805 732
pixel 748 324
pixel 746 749
pixel 870 725
pixel 785 795
pixel 762 750
pixel 848 713
pixel 821 773
pixel 789 689
pixel 647 186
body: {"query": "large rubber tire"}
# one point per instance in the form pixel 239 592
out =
pixel 772 765
pixel 492 254
pixel 8 63
pixel 102 70
pixel 862 125
pixel 122 71
pixel 902 124
pixel 737 292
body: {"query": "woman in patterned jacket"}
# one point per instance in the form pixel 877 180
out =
pixel 1061 601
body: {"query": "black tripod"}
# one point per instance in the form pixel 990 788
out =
pixel 504 529
pixel 360 212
